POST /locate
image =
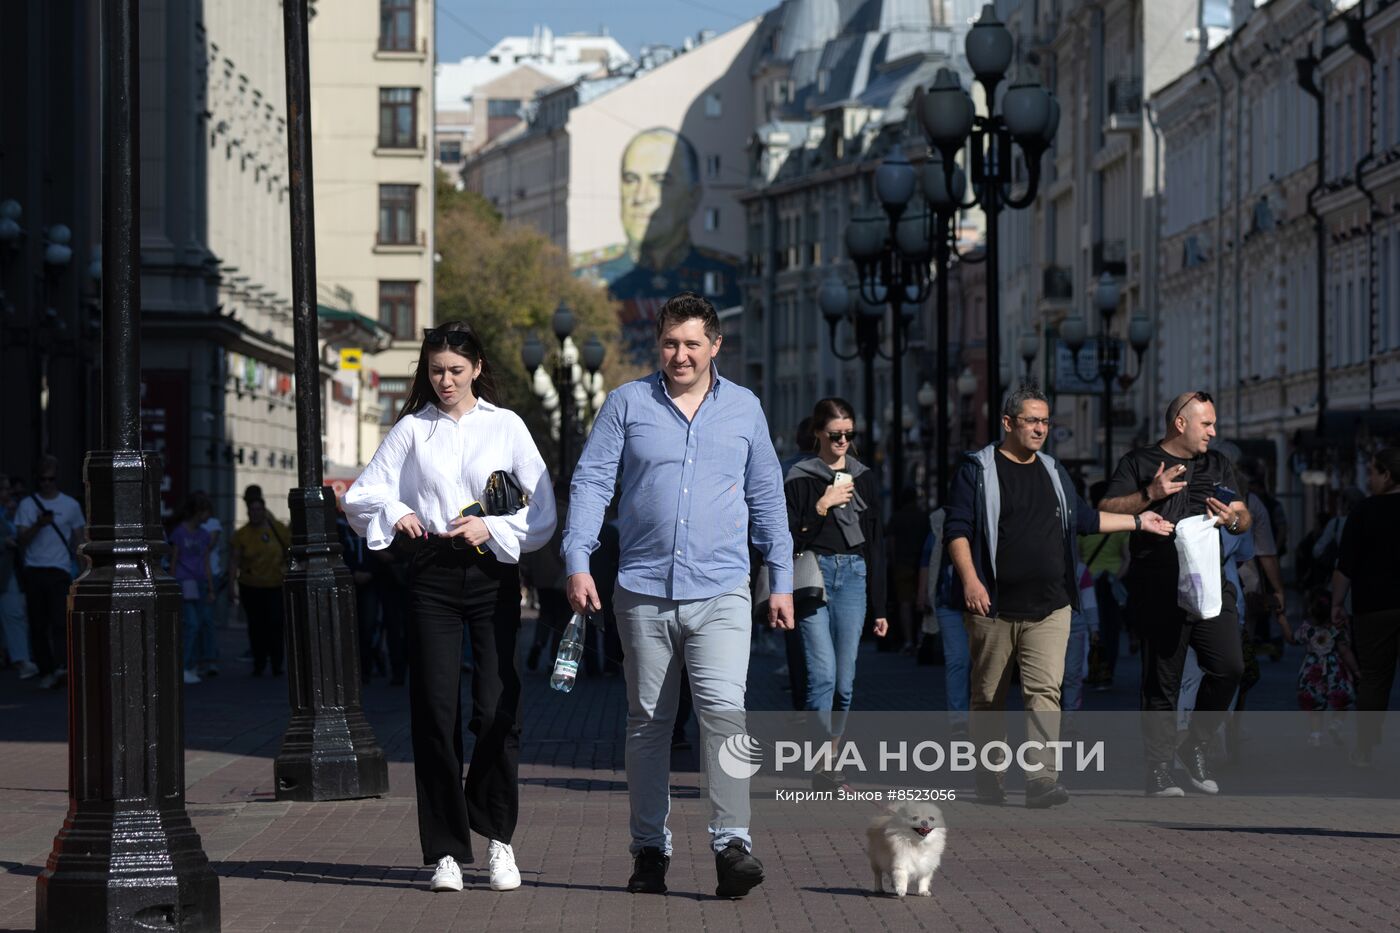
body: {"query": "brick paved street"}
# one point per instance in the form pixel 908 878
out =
pixel 1263 858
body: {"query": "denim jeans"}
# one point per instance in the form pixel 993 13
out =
pixel 199 618
pixel 1076 663
pixel 957 664
pixel 14 621
pixel 831 636
pixel 709 639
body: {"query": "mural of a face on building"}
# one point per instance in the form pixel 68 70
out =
pixel 660 189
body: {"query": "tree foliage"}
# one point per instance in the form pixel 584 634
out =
pixel 506 280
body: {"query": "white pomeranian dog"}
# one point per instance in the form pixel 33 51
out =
pixel 906 845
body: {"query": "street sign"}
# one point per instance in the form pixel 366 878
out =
pixel 350 358
pixel 1067 380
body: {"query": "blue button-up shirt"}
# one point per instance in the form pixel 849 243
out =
pixel 689 492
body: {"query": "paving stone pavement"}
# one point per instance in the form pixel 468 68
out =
pixel 1110 860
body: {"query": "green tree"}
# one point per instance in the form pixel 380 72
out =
pixel 506 280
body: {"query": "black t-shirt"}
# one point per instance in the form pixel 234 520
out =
pixel 1155 553
pixel 1367 555
pixel 1030 571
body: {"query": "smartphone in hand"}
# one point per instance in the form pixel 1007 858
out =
pixel 1225 494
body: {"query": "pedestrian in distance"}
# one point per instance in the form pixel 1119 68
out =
pixel 1013 518
pixel 833 513
pixel 1180 476
pixel 463 582
pixel 14 624
pixel 700 479
pixel 49 530
pixel 1366 572
pixel 257 565
pixel 190 561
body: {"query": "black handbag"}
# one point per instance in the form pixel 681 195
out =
pixel 502 496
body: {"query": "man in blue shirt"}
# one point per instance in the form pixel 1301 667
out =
pixel 698 477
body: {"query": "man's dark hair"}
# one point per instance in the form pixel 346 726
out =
pixel 687 306
pixel 1025 392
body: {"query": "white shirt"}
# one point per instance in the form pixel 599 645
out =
pixel 433 466
pixel 47 549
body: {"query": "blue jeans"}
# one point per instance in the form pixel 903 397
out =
pixel 831 635
pixel 957 664
pixel 1076 663
pixel 199 619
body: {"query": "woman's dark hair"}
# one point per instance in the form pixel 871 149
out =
pixel 444 337
pixel 194 504
pixel 832 409
pixel 1387 460
pixel 806 440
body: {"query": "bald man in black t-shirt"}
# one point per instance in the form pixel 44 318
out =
pixel 1178 477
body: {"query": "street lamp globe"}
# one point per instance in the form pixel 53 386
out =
pixel 532 353
pixel 906 417
pixel 1139 332
pixel 988 47
pixel 593 354
pixel 834 298
pixel 1106 295
pixel 1026 108
pixel 942 196
pixel 1052 122
pixel 872 309
pixel 911 238
pixel 865 237
pixel 1030 345
pixel 946 113
pixel 926 395
pixel 1074 332
pixel 967 383
pixel 563 321
pixel 895 180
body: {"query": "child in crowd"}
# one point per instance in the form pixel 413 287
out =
pixel 1327 678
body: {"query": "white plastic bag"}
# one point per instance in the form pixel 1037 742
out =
pixel 1198 566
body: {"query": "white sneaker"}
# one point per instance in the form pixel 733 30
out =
pixel 501 860
pixel 48 681
pixel 28 669
pixel 191 677
pixel 447 876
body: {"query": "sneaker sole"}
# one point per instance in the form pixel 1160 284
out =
pixel 645 889
pixel 511 886
pixel 1168 792
pixel 738 887
pixel 1205 787
pixel 442 886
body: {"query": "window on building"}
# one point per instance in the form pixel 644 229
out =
pixel 712 165
pixel 398 223
pixel 503 107
pixel 713 106
pixel 392 394
pixel 711 219
pixel 398 117
pixel 396 25
pixel 397 308
pixel 714 283
pixel 449 151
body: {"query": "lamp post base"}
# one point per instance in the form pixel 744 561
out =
pixel 127 857
pixel 329 751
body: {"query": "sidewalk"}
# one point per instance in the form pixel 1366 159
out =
pixel 1228 863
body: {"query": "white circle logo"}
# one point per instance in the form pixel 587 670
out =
pixel 740 756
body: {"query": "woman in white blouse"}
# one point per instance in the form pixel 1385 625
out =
pixel 448 439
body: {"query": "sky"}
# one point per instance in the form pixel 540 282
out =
pixel 470 27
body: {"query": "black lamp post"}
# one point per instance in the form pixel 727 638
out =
pixel 1029 118
pixel 1030 346
pixel 1109 352
pixel 593 355
pixel 329 751
pixel 126 856
pixel 532 355
pixel 944 192
pixel 967 389
pixel 892 267
pixel 837 303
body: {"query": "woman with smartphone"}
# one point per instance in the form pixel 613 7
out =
pixel 833 503
pixel 463 578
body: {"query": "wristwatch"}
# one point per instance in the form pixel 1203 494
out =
pixel 1234 526
pixel 1137 523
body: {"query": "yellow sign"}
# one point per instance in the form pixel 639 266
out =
pixel 350 358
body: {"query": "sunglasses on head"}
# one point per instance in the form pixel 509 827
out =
pixel 1194 397
pixel 438 337
pixel 837 437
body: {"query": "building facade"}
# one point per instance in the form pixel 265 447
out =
pixel 372 136
pixel 634 175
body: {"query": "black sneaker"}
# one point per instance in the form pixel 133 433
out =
pixel 738 871
pixel 828 781
pixel 1193 759
pixel 1160 782
pixel 1045 793
pixel 989 789
pixel 649 871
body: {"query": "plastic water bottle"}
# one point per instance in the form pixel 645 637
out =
pixel 570 651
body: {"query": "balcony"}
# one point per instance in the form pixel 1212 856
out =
pixel 1058 284
pixel 1124 104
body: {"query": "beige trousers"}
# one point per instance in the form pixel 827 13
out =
pixel 1038 646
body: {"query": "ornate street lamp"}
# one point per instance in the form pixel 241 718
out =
pixel 1030 346
pixel 1029 118
pixel 532 356
pixel 967 388
pixel 839 302
pixel 1108 352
